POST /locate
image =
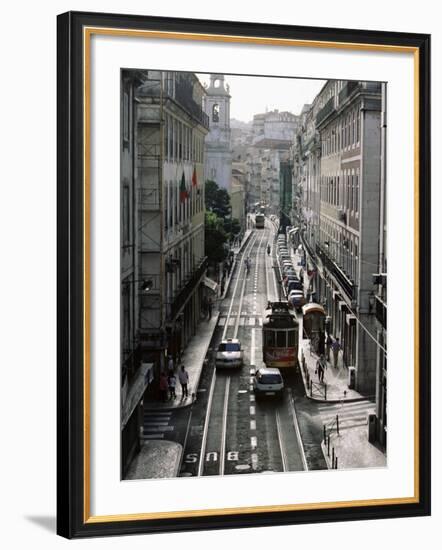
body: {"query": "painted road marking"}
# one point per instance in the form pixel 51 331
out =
pixel 242 467
pixel 252 350
pixel 252 398
pixel 252 410
pixel 253 424
pixel 254 461
pixel 253 442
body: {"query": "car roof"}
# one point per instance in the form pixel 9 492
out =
pixel 269 370
pixel 230 340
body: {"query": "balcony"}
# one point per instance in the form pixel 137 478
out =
pixel 181 90
pixel 341 278
pixel 327 110
pixel 187 289
pixel 348 89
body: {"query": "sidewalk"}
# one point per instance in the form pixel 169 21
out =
pixel 350 448
pixel 335 387
pixel 196 351
pixel 156 459
pixel 193 359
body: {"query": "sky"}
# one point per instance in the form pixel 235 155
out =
pixel 256 94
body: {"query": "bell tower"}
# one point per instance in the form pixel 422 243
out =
pixel 218 156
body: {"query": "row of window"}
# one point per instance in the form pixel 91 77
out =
pixel 181 142
pixel 343 134
pixel 341 246
pixel 342 190
pixel 181 206
pixel 280 338
pixel 182 262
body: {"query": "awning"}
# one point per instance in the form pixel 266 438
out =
pixel 209 283
pixel 312 307
pixel 135 391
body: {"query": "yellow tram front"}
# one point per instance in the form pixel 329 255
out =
pixel 280 331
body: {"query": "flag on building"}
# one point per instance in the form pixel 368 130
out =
pixel 194 180
pixel 183 191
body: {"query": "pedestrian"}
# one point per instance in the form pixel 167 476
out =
pixel 170 365
pixel 321 366
pixel 209 307
pixel 172 385
pixel 328 344
pixel 336 346
pixel 183 377
pixel 164 386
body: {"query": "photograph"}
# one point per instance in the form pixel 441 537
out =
pixel 253 232
pixel 230 198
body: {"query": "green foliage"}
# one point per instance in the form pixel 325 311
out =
pixel 215 238
pixel 217 200
pixel 220 229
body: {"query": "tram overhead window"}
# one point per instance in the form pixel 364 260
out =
pixel 281 339
pixel 291 338
pixel 270 339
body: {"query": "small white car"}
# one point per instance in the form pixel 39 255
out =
pixel 229 353
pixel 268 382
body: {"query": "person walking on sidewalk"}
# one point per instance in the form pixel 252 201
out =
pixel 184 380
pixel 164 386
pixel 172 385
pixel 321 365
pixel 336 346
pixel 170 365
pixel 209 308
pixel 328 345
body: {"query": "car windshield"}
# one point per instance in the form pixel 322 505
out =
pixel 270 379
pixel 229 346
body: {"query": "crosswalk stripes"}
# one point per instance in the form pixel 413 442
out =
pixel 243 321
pixel 350 414
pixel 156 424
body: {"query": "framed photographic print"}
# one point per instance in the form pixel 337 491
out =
pixel 232 200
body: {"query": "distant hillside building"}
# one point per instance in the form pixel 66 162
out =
pixel 218 156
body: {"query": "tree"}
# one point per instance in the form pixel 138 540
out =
pixel 217 200
pixel 215 238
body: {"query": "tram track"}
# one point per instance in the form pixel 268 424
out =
pixel 236 433
pixel 215 430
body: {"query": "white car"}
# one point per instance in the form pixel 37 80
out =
pixel 268 382
pixel 229 353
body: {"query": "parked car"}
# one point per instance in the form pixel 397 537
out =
pixel 268 382
pixel 294 285
pixel 289 279
pixel 229 353
pixel 296 299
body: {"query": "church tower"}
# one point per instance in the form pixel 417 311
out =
pixel 218 155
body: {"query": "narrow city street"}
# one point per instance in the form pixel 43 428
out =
pixel 227 430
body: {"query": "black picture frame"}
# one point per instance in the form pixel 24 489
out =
pixel 73 520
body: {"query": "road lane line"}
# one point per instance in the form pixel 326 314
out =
pixel 281 443
pixel 206 425
pixel 222 455
pixel 297 430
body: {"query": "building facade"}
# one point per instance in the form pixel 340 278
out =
pixel 337 176
pixel 162 216
pixel 218 155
